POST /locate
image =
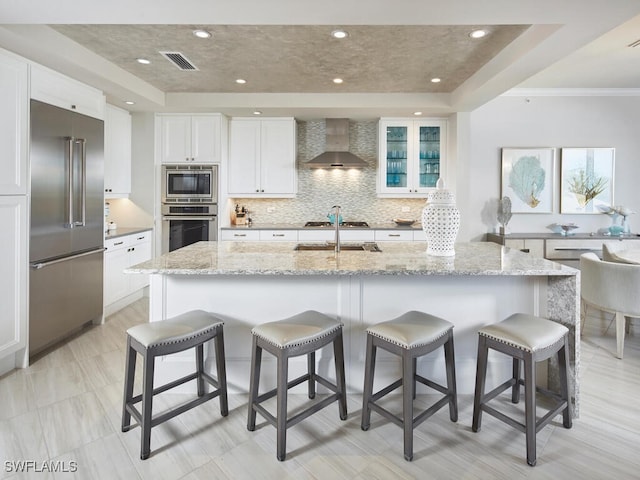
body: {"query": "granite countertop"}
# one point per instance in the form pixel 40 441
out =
pixel 396 258
pixel 121 232
pixel 576 236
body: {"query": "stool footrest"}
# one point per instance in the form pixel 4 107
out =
pixel 272 393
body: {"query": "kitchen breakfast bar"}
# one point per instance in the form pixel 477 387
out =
pixel 247 283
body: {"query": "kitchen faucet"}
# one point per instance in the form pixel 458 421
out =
pixel 336 217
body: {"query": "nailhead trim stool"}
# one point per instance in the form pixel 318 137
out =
pixel 527 339
pixel 409 336
pixel 191 329
pixel 301 334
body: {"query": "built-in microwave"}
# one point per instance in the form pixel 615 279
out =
pixel 190 183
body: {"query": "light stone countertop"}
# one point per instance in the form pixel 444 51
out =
pixel 396 258
pixel 121 232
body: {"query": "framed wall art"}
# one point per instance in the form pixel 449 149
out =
pixel 586 179
pixel 528 179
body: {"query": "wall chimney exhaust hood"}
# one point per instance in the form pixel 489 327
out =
pixel 337 153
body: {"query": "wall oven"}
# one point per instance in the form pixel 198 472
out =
pixel 190 184
pixel 189 205
pixel 184 224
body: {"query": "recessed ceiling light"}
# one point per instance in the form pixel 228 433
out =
pixel 417 113
pixel 339 34
pixel 257 112
pixel 241 81
pixel 435 80
pixel 478 33
pixel 129 102
pixel 143 61
pixel 202 34
pixel 337 80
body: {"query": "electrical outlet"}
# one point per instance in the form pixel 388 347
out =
pixel 406 209
pixel 271 209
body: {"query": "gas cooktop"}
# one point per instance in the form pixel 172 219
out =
pixel 342 224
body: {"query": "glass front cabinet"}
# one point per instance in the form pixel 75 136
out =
pixel 411 157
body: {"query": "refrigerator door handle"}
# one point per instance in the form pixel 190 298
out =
pixel 68 152
pixel 71 143
pixel 40 265
pixel 83 199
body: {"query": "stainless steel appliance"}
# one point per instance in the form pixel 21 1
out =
pixel 67 223
pixel 190 183
pixel 184 224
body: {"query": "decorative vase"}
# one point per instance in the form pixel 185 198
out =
pixel 441 221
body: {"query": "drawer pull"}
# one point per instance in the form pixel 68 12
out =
pixel 582 249
pixel 394 235
pixel 278 234
pixel 239 234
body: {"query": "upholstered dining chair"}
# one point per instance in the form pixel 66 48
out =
pixel 610 287
pixel 621 252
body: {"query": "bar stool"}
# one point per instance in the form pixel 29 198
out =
pixel 298 335
pixel 191 329
pixel 409 336
pixel 527 339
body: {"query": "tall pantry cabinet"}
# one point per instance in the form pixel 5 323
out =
pixel 14 245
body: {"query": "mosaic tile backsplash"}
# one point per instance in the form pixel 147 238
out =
pixel 319 190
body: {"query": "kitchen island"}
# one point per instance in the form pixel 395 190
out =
pixel 247 283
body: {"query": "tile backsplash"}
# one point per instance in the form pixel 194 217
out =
pixel 320 189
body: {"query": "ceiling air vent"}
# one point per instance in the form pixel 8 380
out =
pixel 180 61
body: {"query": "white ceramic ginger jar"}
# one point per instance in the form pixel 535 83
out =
pixel 441 221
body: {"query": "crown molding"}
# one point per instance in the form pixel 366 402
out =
pixel 572 92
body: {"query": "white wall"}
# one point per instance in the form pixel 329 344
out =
pixel 547 121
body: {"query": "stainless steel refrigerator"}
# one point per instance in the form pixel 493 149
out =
pixel 67 223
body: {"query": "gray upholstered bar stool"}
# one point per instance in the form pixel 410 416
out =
pixel 301 334
pixel 410 336
pixel 528 339
pixel 191 329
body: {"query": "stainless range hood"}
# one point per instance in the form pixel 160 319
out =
pixel 337 153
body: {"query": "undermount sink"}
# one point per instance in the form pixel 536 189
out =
pixel 358 247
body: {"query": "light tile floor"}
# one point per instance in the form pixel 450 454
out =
pixel 65 410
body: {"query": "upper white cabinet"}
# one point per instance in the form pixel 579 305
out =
pixel 412 156
pixel 117 152
pixel 14 127
pixel 56 89
pixel 262 157
pixel 190 138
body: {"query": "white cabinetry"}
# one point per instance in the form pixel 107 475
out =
pixel 117 152
pixel 122 252
pixel 13 278
pixel 14 127
pixel 240 235
pixel 412 156
pixel 190 138
pixel 262 157
pixel 394 235
pixel 56 89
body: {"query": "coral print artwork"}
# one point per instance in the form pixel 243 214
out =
pixel 586 180
pixel 527 179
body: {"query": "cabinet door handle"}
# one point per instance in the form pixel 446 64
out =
pixel 278 234
pixel 394 235
pixel 118 243
pixel 239 234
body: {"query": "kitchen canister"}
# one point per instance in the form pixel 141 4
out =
pixel 441 221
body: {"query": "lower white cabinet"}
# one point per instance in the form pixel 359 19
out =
pixel 13 279
pixel 123 252
pixel 240 235
pixel 394 235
